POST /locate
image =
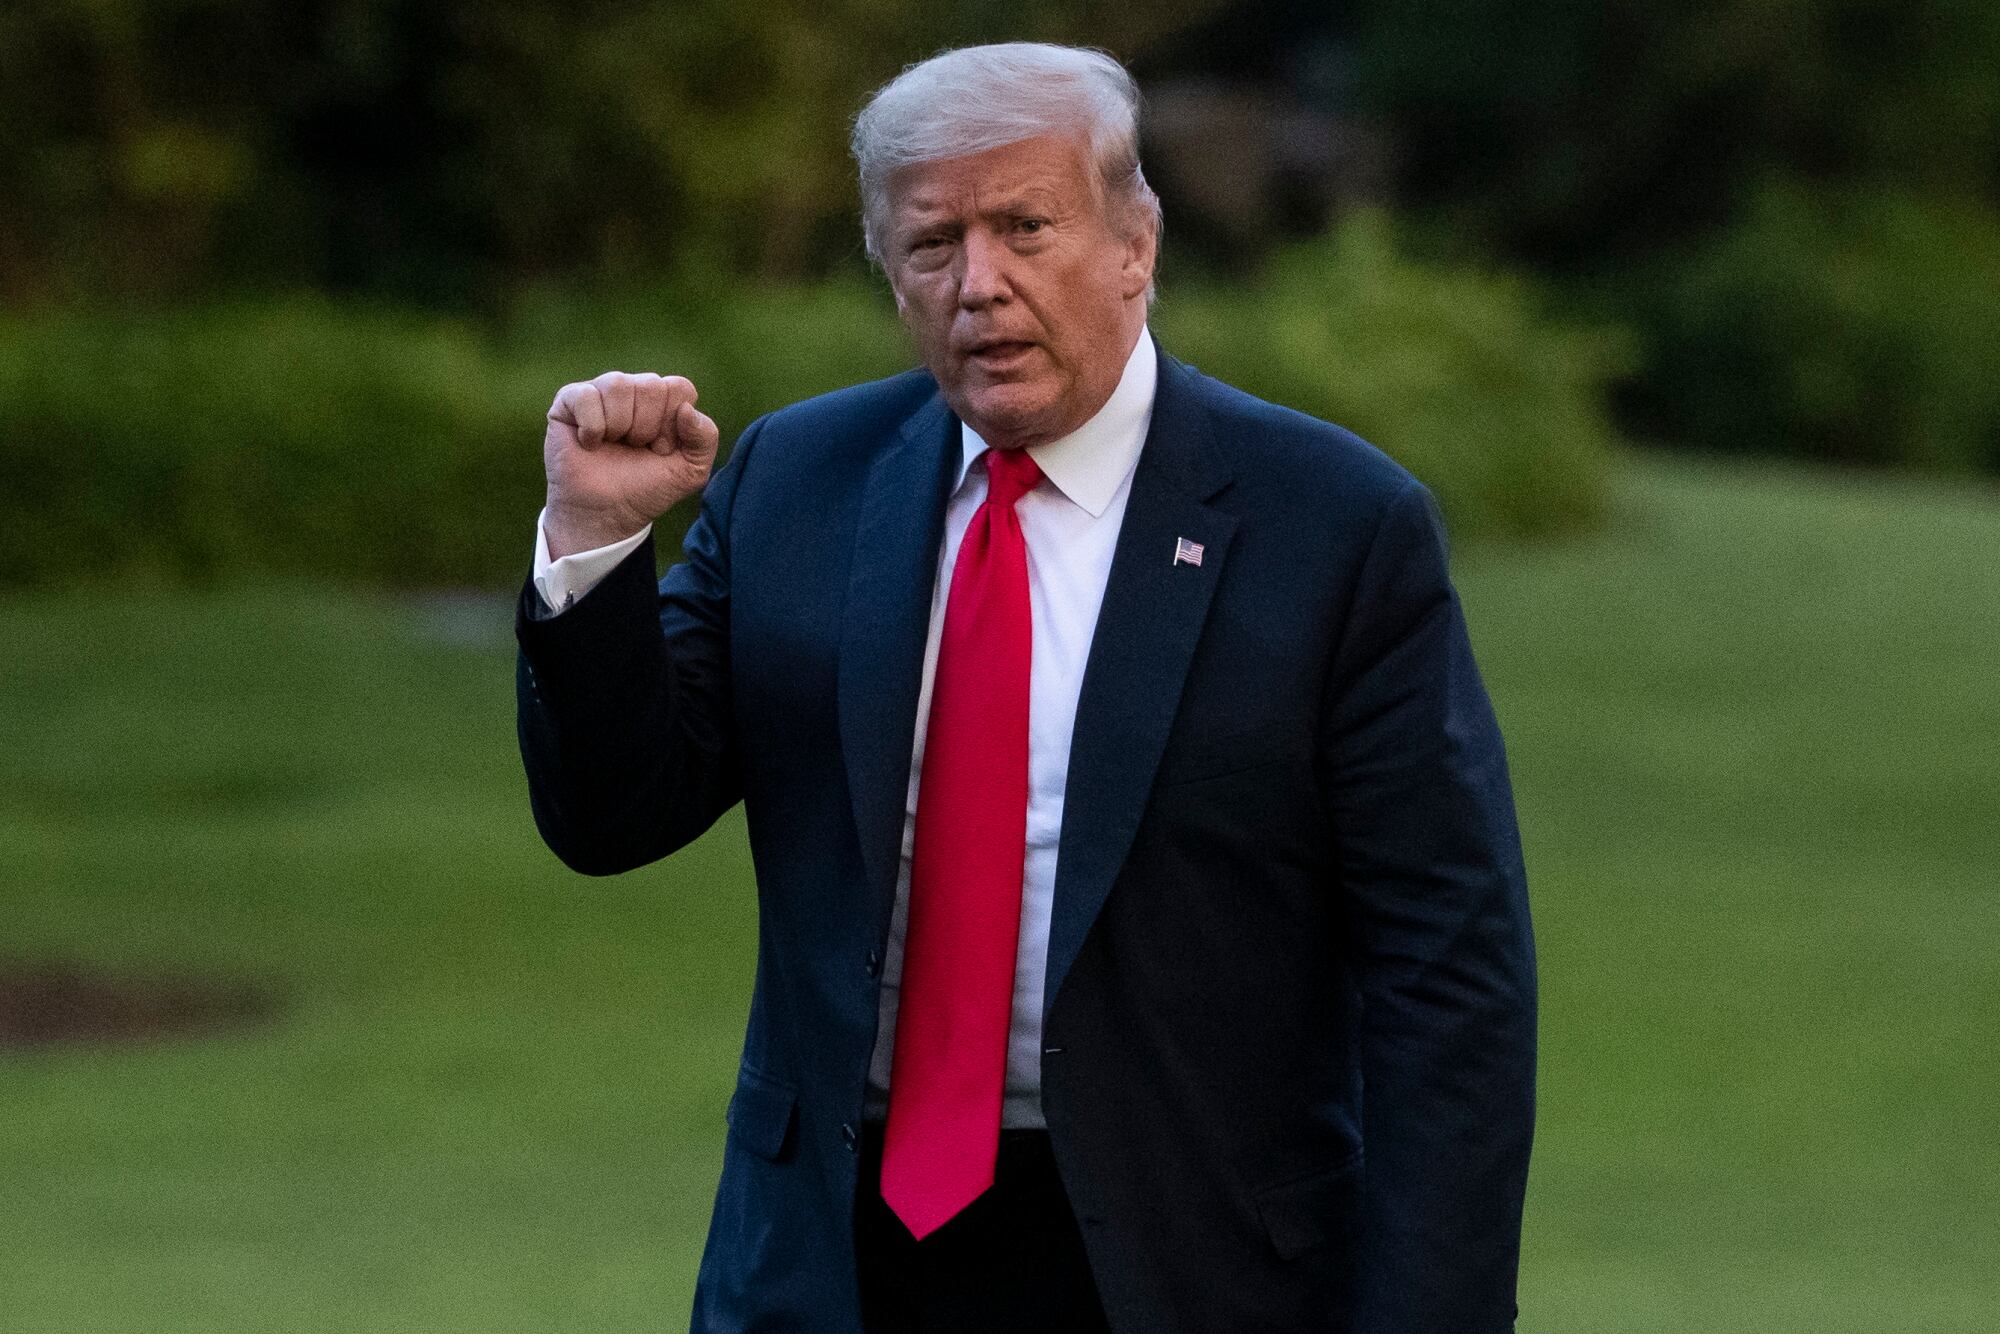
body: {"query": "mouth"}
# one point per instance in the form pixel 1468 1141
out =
pixel 996 354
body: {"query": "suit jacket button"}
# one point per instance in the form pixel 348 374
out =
pixel 849 1135
pixel 874 964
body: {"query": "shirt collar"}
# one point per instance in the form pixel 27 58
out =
pixel 1089 464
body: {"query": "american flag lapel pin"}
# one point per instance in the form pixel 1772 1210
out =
pixel 1186 552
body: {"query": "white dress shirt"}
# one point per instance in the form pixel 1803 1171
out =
pixel 1070 522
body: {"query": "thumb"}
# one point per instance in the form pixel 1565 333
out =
pixel 696 435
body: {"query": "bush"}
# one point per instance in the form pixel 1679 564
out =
pixel 749 348
pixel 302 436
pixel 356 443
pixel 296 435
pixel 1454 371
pixel 1861 326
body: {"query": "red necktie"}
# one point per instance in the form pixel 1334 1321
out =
pixel 965 874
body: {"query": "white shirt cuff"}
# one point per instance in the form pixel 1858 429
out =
pixel 561 582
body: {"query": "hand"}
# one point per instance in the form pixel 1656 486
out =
pixel 620 451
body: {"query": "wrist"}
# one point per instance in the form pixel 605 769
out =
pixel 570 531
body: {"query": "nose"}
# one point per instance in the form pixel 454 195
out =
pixel 984 280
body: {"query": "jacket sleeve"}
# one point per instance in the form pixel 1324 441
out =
pixel 1431 870
pixel 623 700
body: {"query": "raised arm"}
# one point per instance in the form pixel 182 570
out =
pixel 623 696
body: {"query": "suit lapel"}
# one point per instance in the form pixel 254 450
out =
pixel 894 567
pixel 1151 619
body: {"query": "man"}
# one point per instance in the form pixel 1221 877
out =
pixel 1143 936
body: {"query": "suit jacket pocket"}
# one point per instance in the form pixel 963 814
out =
pixel 1193 759
pixel 1322 1206
pixel 761 1113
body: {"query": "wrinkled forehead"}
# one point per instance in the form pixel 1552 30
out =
pixel 1046 173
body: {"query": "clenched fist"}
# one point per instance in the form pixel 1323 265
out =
pixel 620 451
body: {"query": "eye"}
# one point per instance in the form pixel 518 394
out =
pixel 930 244
pixel 1031 226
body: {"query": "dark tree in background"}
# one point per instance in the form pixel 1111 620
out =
pixel 437 151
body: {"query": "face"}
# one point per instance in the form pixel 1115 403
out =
pixel 1023 298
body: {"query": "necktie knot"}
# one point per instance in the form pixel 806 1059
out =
pixel 1010 474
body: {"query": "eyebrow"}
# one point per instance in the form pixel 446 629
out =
pixel 925 212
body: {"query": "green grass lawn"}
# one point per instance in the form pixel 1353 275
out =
pixel 1756 737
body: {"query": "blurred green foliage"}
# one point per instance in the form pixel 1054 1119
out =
pixel 1458 372
pixel 295 435
pixel 516 174
pixel 1580 133
pixel 443 149
pixel 449 150
pixel 750 348
pixel 1861 325
pixel 378 445
pixel 352 441
pixel 1629 151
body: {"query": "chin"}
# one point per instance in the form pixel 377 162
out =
pixel 1009 410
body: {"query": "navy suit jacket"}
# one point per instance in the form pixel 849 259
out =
pixel 1290 1010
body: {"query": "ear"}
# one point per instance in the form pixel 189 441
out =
pixel 1142 248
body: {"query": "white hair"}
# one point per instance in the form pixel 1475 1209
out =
pixel 980 97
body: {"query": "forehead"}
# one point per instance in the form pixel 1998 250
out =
pixel 1047 170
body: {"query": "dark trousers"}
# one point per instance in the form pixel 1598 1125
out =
pixel 1013 1261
